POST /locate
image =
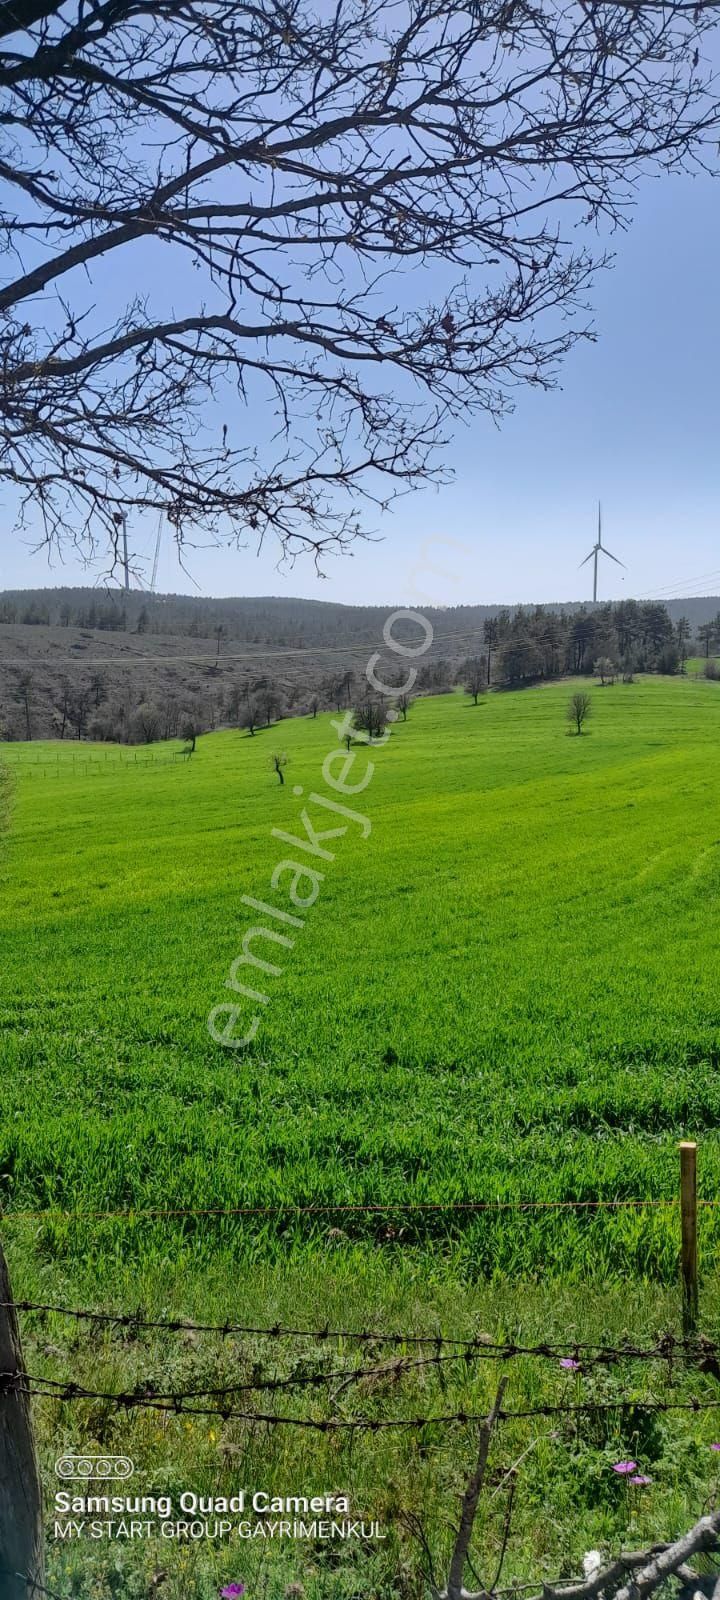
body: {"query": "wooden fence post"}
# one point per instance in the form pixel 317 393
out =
pixel 688 1218
pixel 22 1550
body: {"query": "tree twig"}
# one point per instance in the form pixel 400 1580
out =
pixel 470 1499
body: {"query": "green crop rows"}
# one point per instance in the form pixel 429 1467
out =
pixel 507 990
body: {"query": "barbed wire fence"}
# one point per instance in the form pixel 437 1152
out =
pixel 389 1354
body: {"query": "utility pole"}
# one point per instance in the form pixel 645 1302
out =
pixel 120 520
pixel 125 550
pixel 22 1565
pixel 689 1250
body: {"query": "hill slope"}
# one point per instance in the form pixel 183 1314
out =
pixel 506 990
pixel 183 655
pixel 505 995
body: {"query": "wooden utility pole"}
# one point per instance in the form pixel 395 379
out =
pixel 22 1563
pixel 688 1217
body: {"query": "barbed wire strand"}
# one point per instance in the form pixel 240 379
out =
pixel 27 1384
pixel 393 1370
pixel 479 1345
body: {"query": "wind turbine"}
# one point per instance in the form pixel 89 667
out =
pixel 599 549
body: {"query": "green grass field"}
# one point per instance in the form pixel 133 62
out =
pixel 508 991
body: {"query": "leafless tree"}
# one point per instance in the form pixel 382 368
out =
pixel 633 1575
pixel 249 715
pixel 403 704
pixel 268 702
pixel 578 711
pixel 371 718
pixel 278 760
pixel 97 688
pixel 171 715
pixel 314 705
pixel 606 670
pixel 346 685
pixel 234 702
pixel 474 677
pixel 275 162
pixel 78 708
pixel 24 695
pixel 190 732
pixel 146 723
pixel 62 705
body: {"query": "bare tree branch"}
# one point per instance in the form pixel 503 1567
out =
pixel 470 1500
pixel 650 1569
pixel 262 174
pixel 702 1537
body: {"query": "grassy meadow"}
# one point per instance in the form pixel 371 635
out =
pixel 507 991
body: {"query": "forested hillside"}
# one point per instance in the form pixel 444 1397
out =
pixel 79 663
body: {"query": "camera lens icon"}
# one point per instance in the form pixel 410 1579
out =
pixel 83 1467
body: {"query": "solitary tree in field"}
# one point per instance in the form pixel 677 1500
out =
pixel 249 715
pixel 189 733
pixel 371 718
pixel 475 678
pixel 403 704
pixel 578 710
pixel 605 670
pixel 277 761
pixel 279 165
pixel 683 634
pixel 268 702
pixel 314 705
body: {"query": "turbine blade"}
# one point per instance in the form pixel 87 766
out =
pixel 616 559
pixel 587 558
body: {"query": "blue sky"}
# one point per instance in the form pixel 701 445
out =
pixel 635 422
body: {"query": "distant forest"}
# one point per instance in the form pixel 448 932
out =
pixel 133 667
pixel 270 619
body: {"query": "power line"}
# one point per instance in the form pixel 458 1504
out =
pixel 215 660
pixel 664 589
